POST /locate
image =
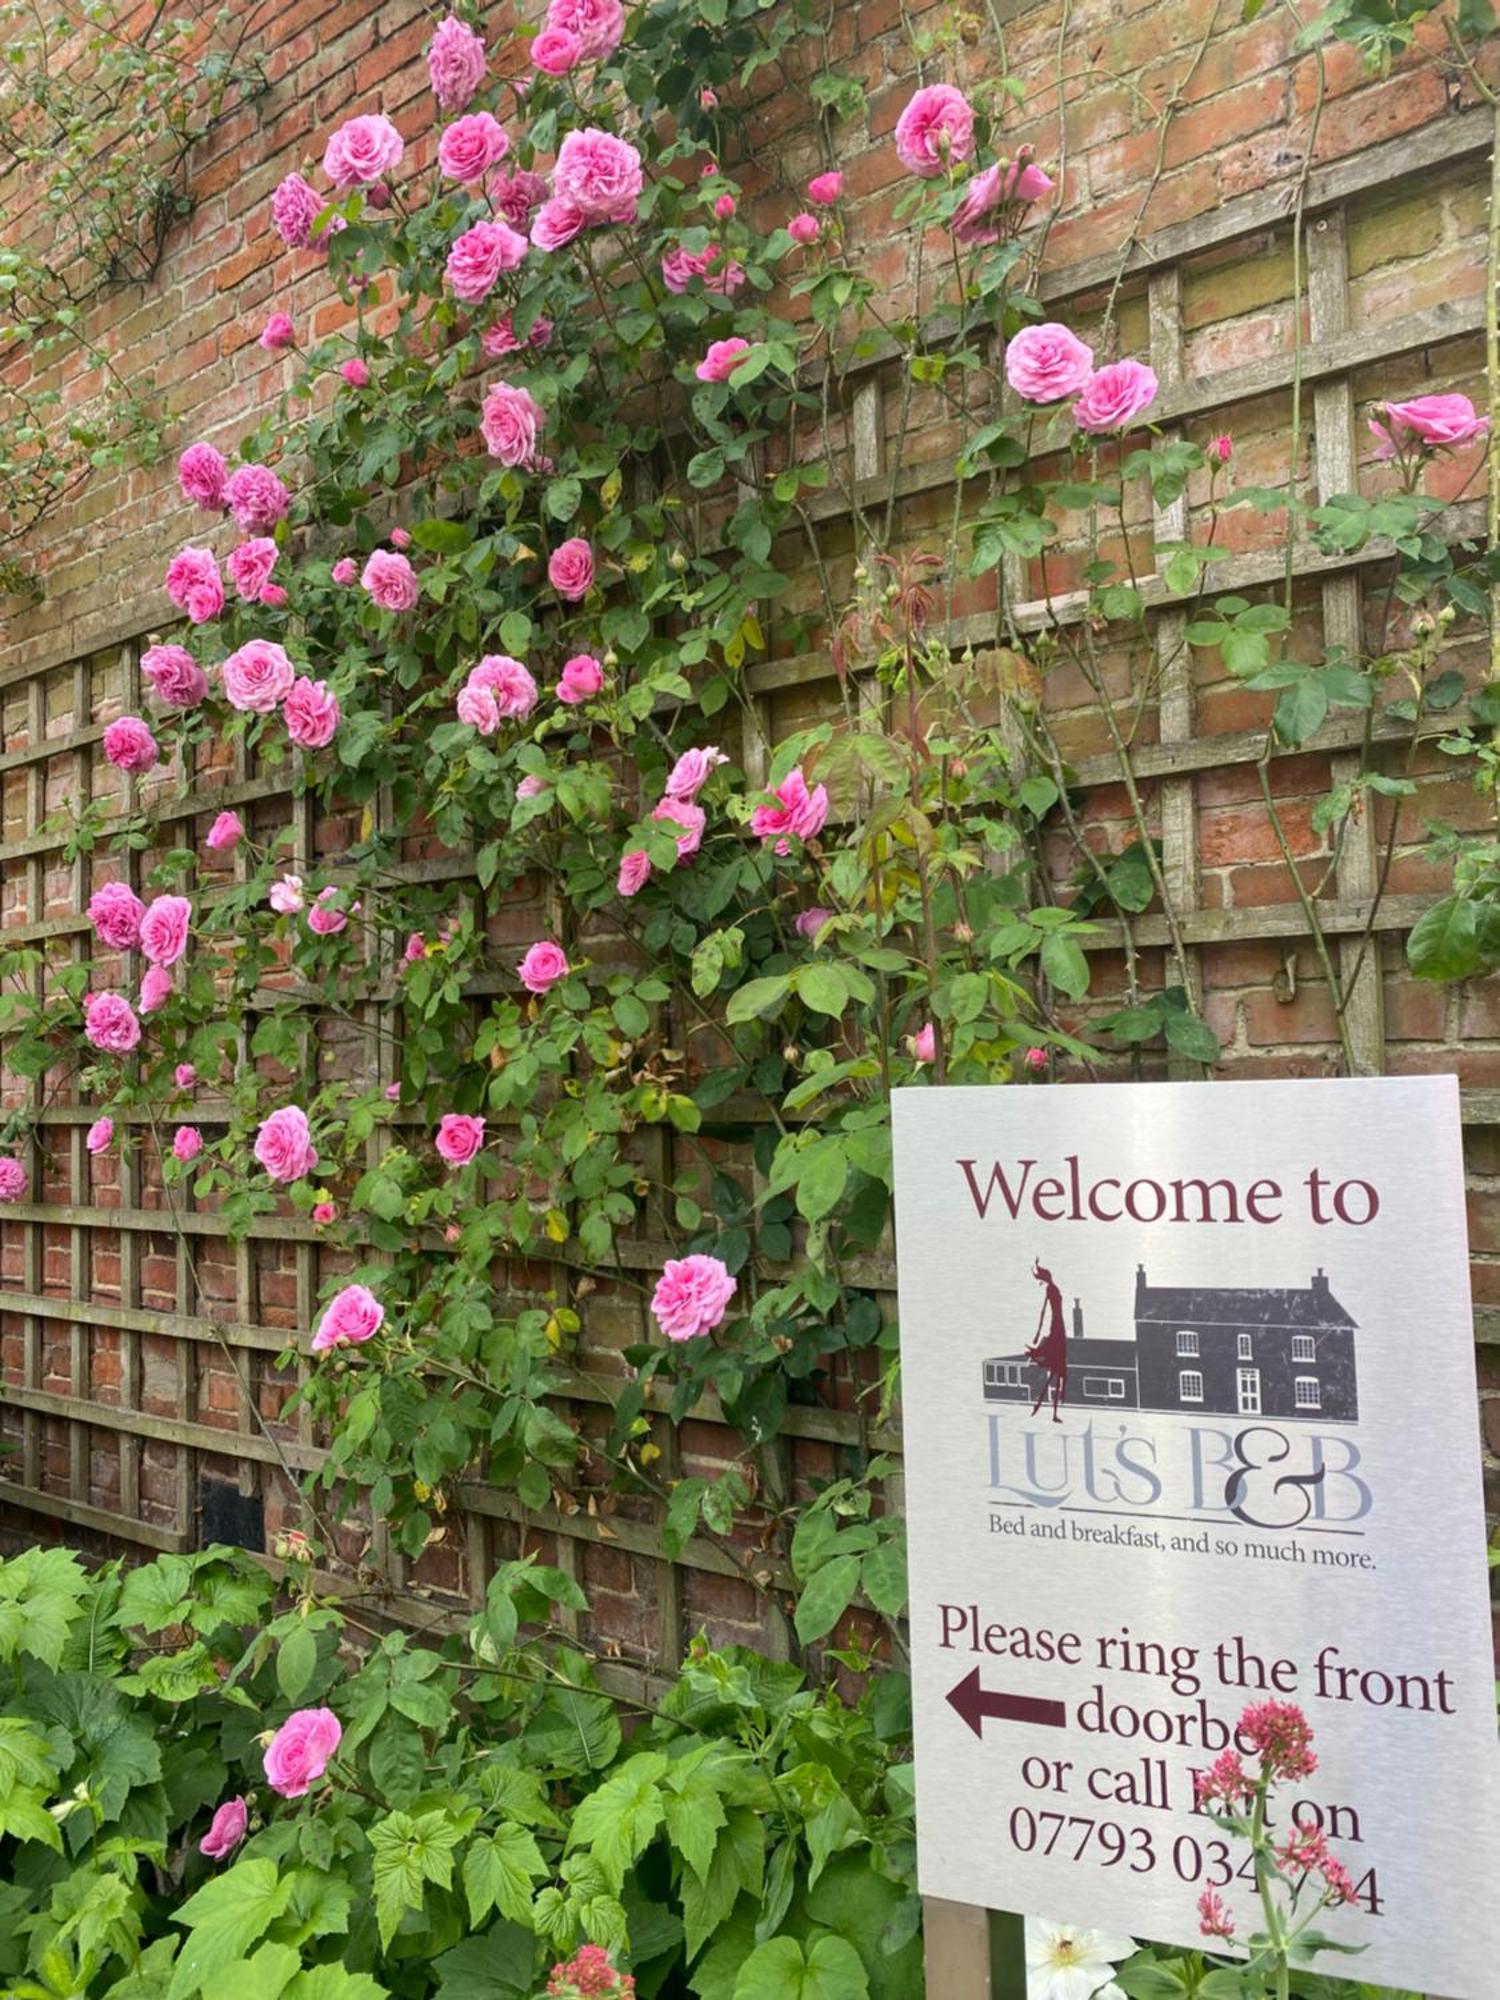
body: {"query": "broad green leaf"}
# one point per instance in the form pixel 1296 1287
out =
pixel 296 1660
pixel 821 1183
pixel 826 1598
pixel 498 1872
pixel 617 1822
pixel 226 1916
pixel 824 988
pixel 883 1578
pixel 756 997
pixel 1444 942
pixel 1065 965
pixel 409 1852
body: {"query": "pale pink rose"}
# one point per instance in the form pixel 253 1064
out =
pixel 1035 1058
pixel 825 189
pixel 100 1135
pixel 390 580
pixel 924 1043
pixel 570 569
pixel 227 1830
pixel 226 833
pixel 556 223
pixel 1437 423
pixel 692 1296
pixel 109 1023
pixel 708 97
pixel 543 966
pixel 810 922
pixel 201 473
pixel 285 895
pixel 478 707
pixel 355 373
pixel 393 1093
pixel 176 679
pixel 679 267
pixel 455 63
pixel 531 787
pixel 187 1143
pixel 518 193
pixel 14 1179
pixel 556 50
pixel 690 818
pixel 725 206
pixel 935 130
pixel 804 228
pixel 184 1076
pixel 692 771
pixel 164 929
pixel 1045 363
pixel 459 1138
pixel 415 947
pixel 328 916
pixel 362 151
pixel 298 1753
pixel 635 872
pixel 580 680
pixel 115 911
pixel 514 690
pixel 345 570
pixel 283 1145
pixel 1115 396
pixel 310 711
pixel 721 360
pixel 324 1212
pixel 273 596
pixel 471 146
pixel 797 811
pixel 351 1317
pixel 250 565
pixel 194 584
pixel 294 210
pixel 256 498
pixel 511 420
pixel 129 744
pixel 598 24
pixel 1221 449
pixel 480 256
pixel 257 677
pixel 278 332
pixel 156 989
pixel 598 173
pixel 975 219
pixel 502 339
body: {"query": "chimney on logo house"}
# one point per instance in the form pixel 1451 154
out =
pixel 1319 1284
pixel 1077 1320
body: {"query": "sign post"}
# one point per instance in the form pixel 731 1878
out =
pixel 1189 1410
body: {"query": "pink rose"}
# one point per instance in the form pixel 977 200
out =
pixel 258 677
pixel 285 896
pixel 164 929
pixel 635 872
pixel 692 771
pixel 580 680
pixel 194 584
pixel 200 473
pixel 227 1830
pixel 283 1145
pixel 501 338
pixel 510 420
pixel 390 580
pixel 415 947
pixel 804 228
pixel 1115 396
pixel 708 98
pixel 328 917
pixel 556 50
pixel 14 1179
pixel 725 206
pixel 570 569
pixel 459 1138
pixel 129 744
pixel 477 707
pixel 690 818
pixel 115 911
pixel 721 360
pixel 324 1212
pixel 362 151
pixel 310 711
pixel 825 189
pixel 184 1076
pixel 974 220
pixel 924 1044
pixel 543 966
pixel 294 210
pixel 393 1093
pixel 507 682
pixel 250 565
pixel 1045 363
pixel 471 146
pixel 478 258
pixel 797 811
pixel 355 373
pixel 278 332
pixel 100 1135
pixel 225 834
pixel 109 1023
pixel 598 174
pixel 187 1143
pixel 273 596
pixel 299 1751
pixel 176 679
pixel 518 193
pixel 935 130
pixel 344 570
pixel 692 1296
pixel 1436 423
pixel 1036 1058
pixel 156 989
pixel 810 922
pixel 352 1316
pixel 256 498
pixel 455 63
pixel 556 223
pixel 598 24
pixel 679 267
pixel 1221 449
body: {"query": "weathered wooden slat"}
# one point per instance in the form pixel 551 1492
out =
pixel 96 1520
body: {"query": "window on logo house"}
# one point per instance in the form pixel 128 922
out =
pixel 1304 1347
pixel 1003 1375
pixel 1309 1395
pixel 1189 1382
pixel 1246 1347
pixel 1187 1346
pixel 1107 1388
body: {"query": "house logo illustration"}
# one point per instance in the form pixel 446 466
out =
pixel 1285 1353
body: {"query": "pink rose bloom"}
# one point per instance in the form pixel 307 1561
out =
pixel 294 209
pixel 344 570
pixel 556 223
pixel 225 834
pixel 471 146
pixel 825 189
pixel 580 680
pixel 327 917
pixel 194 584
pixel 227 1830
pixel 599 174
pixel 362 151
pixel 556 50
pixel 502 339
pixel 14 1179
pixel 924 1044
pixel 393 1093
pixel 708 98
pixel 256 498
pixel 258 677
pixel 355 373
pixel 311 713
pixel 510 420
pixel 974 219
pixel 679 267
pixel 804 228
pixel 477 707
pixel 390 580
pixel 200 474
pixel 1221 449
pixel 1437 423
pixel 455 63
pixel 129 744
pixel 352 1316
pixel 185 1076
pixel 273 596
pixel 725 206
pixel 285 896
pixel 721 360
pixel 250 565
pixel 1045 363
pixel 935 130
pixel 518 193
pixel 109 1023
pixel 187 1143
pixel 692 820
pixel 1036 1058
pixel 115 911
pixel 299 1751
pixel 1115 396
pixel 176 679
pixel 543 966
pixel 692 771
pixel 100 1135
pixel 478 258
pixel 278 332
pixel 810 922
pixel 570 569
pixel 459 1138
pixel 797 811
pixel 415 947
pixel 283 1145
pixel 635 872
pixel 531 787
pixel 598 24
pixel 164 929
pixel 512 687
pixel 692 1296
pixel 324 1212
pixel 156 988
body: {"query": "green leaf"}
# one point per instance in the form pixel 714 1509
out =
pixel 1192 1037
pixel 778 1970
pixel 695 1816
pixel 226 1917
pixel 409 1852
pixel 1150 1982
pixel 332 1982
pixel 563 498
pixel 824 988
pixel 968 996
pixel 1065 965
pixel 883 1578
pixel 40 1593
pixel 827 1597
pixel 617 1822
pixel 498 1872
pixel 1301 709
pixel 296 1661
pixel 1444 942
pixel 1039 795
pixel 756 997
pixel 822 1180
pixel 443 538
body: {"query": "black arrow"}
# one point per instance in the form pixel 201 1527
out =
pixel 974 1703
